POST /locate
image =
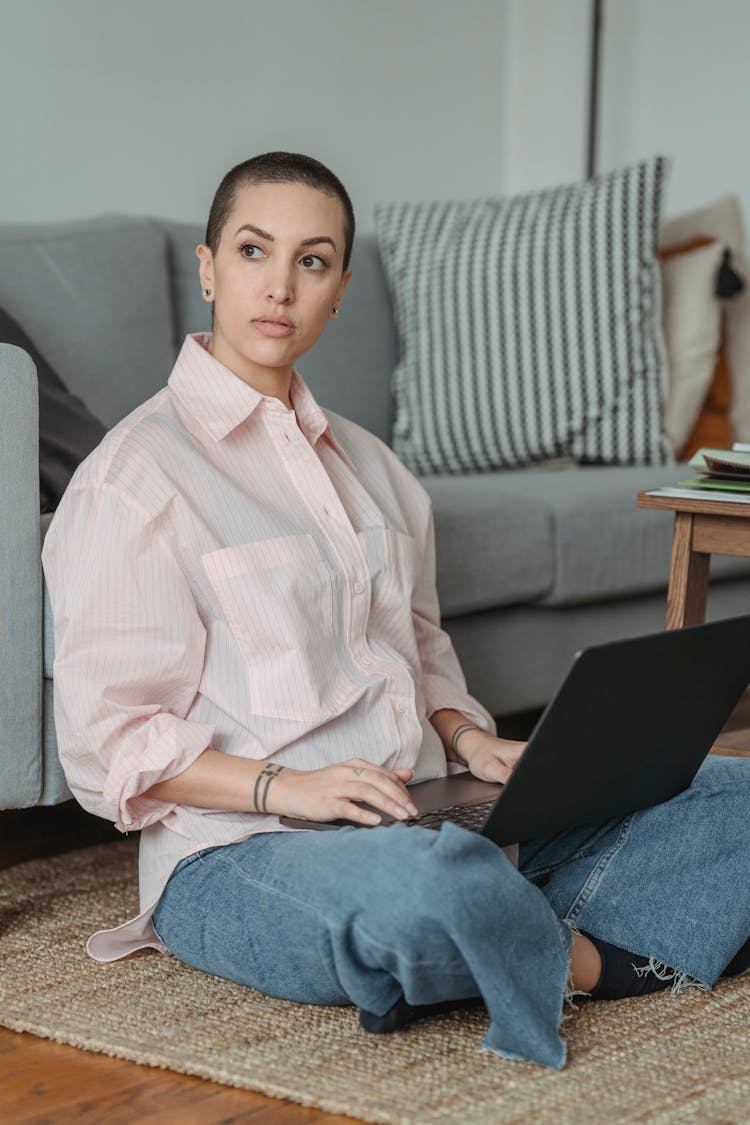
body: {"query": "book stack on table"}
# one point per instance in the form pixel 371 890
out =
pixel 721 474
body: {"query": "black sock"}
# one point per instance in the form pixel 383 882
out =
pixel 739 962
pixel 619 977
pixel 400 1014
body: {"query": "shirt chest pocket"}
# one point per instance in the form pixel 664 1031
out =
pixel 277 598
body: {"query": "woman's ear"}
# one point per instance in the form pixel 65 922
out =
pixel 339 295
pixel 206 271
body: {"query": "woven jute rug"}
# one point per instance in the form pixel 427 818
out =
pixel 661 1058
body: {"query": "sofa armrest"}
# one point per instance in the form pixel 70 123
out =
pixel 20 583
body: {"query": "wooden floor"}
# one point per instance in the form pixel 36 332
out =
pixel 44 1083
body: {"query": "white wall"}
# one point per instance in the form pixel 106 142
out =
pixel 547 93
pixel 677 80
pixel 142 106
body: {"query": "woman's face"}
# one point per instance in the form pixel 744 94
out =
pixel 275 277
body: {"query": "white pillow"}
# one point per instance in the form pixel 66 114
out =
pixel 692 333
pixel 530 326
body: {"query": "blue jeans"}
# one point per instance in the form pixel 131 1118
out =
pixel 363 915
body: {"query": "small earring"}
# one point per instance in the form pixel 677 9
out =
pixel 206 292
pixel 335 309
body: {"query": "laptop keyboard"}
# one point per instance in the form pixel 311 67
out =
pixel 466 816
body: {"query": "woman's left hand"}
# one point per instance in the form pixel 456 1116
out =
pixel 489 758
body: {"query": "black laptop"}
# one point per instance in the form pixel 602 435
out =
pixel 628 728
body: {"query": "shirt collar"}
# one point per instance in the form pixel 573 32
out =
pixel 219 400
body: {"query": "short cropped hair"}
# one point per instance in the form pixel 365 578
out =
pixel 277 168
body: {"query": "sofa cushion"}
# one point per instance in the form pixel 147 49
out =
pixel 494 545
pixel 349 369
pixel 530 325
pixel 93 295
pixel 604 545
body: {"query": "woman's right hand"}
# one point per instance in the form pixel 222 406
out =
pixel 331 793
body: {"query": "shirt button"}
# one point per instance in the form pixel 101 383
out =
pixel 367 661
pixel 400 708
pixel 359 588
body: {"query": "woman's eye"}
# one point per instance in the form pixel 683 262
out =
pixel 314 262
pixel 247 250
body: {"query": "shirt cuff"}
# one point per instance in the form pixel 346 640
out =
pixel 165 748
pixel 448 698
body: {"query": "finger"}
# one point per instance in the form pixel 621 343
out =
pixel 399 779
pixel 395 791
pixel 513 751
pixel 388 780
pixel 511 761
pixel 354 812
pixel 374 795
pixel 389 796
pixel 398 775
pixel 489 767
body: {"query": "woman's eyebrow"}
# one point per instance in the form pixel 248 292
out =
pixel 269 237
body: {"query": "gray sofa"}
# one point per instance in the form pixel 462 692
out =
pixel 532 564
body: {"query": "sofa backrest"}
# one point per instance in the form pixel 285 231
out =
pixel 94 297
pixel 349 369
pixel 109 300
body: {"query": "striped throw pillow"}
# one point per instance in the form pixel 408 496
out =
pixel 530 326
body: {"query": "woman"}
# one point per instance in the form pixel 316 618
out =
pixel 246 625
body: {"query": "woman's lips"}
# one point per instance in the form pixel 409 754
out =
pixel 273 327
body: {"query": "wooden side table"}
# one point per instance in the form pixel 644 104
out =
pixel 701 528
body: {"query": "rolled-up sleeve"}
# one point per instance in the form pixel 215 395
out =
pixel 129 652
pixel 442 679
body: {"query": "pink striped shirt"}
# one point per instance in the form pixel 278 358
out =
pixel 226 572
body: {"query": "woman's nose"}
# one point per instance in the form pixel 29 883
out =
pixel 280 284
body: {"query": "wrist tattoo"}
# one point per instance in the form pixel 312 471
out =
pixel 454 754
pixel 269 771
